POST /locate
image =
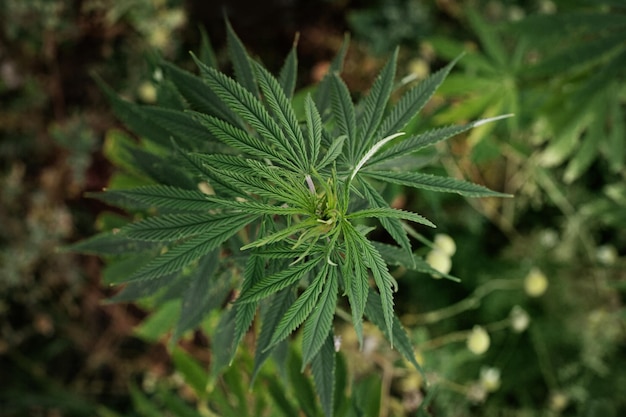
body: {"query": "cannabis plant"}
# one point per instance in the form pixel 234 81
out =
pixel 251 205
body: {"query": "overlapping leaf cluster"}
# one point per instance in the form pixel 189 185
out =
pixel 284 195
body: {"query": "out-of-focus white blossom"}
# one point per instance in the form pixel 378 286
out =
pixel 519 319
pixel 535 283
pixel 490 378
pixel 439 261
pixel 606 254
pixel 478 341
pixel 445 243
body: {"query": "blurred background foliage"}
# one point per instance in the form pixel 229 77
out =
pixel 535 327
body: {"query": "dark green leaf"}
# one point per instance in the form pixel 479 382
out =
pixel 433 183
pixel 318 326
pixel 374 107
pixel 323 369
pixel 242 64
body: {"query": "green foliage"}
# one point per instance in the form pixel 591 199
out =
pixel 279 215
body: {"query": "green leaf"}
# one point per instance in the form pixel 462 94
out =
pixel 384 281
pixel 421 141
pixel 249 108
pixel 412 102
pixel 241 140
pixel 343 112
pixel 323 369
pixel 271 284
pixel 398 257
pixel 580 55
pixel 301 308
pixel 324 88
pixel 223 348
pixel 289 71
pixel 433 183
pixel 172 227
pixel 159 323
pixel 178 125
pixel 133 117
pixel 183 254
pixel 302 386
pixel 314 128
pixel 355 277
pixel 489 38
pixel 167 197
pixel 205 292
pixel 276 308
pixel 111 244
pixel 335 149
pixel 375 313
pixel 388 212
pixel 254 270
pixel 319 324
pixel 207 53
pixel 191 370
pixel 374 107
pixel 392 226
pixel 282 110
pixel 242 64
pixel 198 94
pixel 589 148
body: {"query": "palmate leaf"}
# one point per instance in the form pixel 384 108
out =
pixel 391 225
pixel 412 102
pixel 255 267
pixel 172 227
pixel 271 315
pixel 397 257
pixel 183 254
pixel 374 311
pixel 323 369
pixel 423 140
pixel 288 73
pixel 374 107
pixel 323 92
pixel 319 324
pixel 198 94
pixel 271 284
pixel 249 108
pixel 356 280
pixel 314 128
pixel 167 197
pixel 242 64
pixel 301 308
pixel 283 111
pixel 241 140
pixel 433 183
pixel 390 213
pixel 343 112
pixel 384 281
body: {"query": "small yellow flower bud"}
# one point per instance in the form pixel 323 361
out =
pixel 147 92
pixel 478 340
pixel 558 401
pixel 535 283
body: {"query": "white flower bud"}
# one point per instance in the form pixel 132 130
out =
pixel 535 283
pixel 445 243
pixel 439 261
pixel 519 319
pixel 490 378
pixel 478 340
